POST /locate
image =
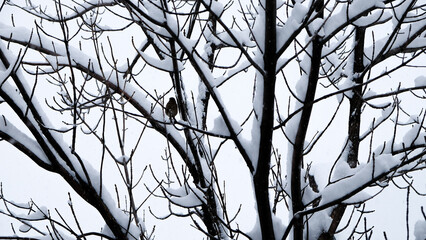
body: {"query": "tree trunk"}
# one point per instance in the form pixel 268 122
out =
pixel 297 159
pixel 261 175
pixel 355 105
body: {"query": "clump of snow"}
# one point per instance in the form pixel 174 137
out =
pixel 153 10
pixel 255 232
pixel 371 18
pixel 41 213
pixel 255 130
pixel 20 205
pixel 414 135
pixel 308 194
pixel 339 97
pixel 215 6
pixel 243 37
pixel 420 230
pixel 165 64
pixel 219 126
pixel 279 226
pixel 242 66
pixel 358 198
pixel 316 26
pixel 385 115
pixel 259 35
pixel 352 10
pixel 318 223
pixel 185 196
pixel 369 93
pixel 25 228
pixel 302 86
pixel 107 232
pixel 346 83
pixel 420 81
pixel 123 159
pixel 342 168
pixel 349 186
pixel 293 23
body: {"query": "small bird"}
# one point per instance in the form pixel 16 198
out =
pixel 171 108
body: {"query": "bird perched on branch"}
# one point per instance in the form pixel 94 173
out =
pixel 171 108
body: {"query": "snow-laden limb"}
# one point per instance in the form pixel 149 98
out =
pixel 28 215
pixel 387 160
pixel 407 35
pixel 33 117
pixel 27 37
pixel 5 73
pixel 70 12
pixel 232 37
pixel 32 216
pixel 367 175
pixel 345 188
pixel 186 197
pixel 244 65
pixel 349 12
pixel 386 113
pixel 223 38
pixel 164 64
pixel 23 142
pixel 373 18
pixel 215 7
pixel 239 44
pixel 408 39
pixel 293 25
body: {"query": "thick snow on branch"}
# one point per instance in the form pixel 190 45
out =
pixel 25 36
pixel 5 73
pixel 386 113
pixel 354 180
pixel 164 64
pixel 215 6
pixel 411 36
pixel 346 186
pixel 232 72
pixel 348 12
pixel 68 12
pixel 293 23
pixel 243 36
pixel 18 137
pixel 185 196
